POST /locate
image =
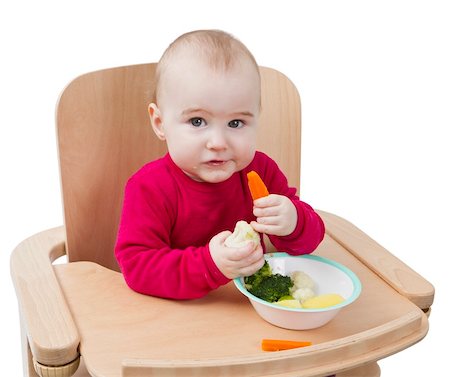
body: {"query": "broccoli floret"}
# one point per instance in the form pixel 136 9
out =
pixel 257 277
pixel 267 286
pixel 271 288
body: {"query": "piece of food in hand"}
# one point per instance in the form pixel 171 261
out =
pixel 323 301
pixel 242 234
pixel 256 185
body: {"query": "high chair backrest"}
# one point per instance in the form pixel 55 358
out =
pixel 104 135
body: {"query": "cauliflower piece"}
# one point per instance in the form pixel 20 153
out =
pixel 303 294
pixel 303 288
pixel 302 280
pixel 242 234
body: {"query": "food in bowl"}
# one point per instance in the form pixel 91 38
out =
pixel 334 287
pixel 294 291
pixel 268 286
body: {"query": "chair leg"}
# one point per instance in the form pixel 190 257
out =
pixel 31 367
pixel 27 356
pixel 29 370
pixel 66 370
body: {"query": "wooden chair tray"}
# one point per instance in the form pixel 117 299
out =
pixel 124 333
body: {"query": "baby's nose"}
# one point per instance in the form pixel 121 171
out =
pixel 216 140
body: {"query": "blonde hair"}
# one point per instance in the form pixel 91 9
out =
pixel 219 49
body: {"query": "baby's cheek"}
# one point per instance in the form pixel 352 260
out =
pixel 246 155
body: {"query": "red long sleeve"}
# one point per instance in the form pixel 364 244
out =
pixel 168 220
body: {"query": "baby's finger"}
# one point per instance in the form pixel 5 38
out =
pixel 242 252
pixel 257 226
pixel 251 269
pixel 265 211
pixel 260 228
pixel 268 220
pixel 222 236
pixel 266 228
pixel 267 201
pixel 219 239
pixel 254 256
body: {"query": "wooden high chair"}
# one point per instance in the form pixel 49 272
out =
pixel 83 310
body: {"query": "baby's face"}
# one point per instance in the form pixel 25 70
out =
pixel 209 118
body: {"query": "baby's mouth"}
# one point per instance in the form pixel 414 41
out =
pixel 216 162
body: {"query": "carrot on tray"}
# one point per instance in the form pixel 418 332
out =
pixel 280 345
pixel 256 185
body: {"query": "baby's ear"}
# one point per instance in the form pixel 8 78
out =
pixel 156 121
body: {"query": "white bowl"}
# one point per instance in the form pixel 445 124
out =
pixel 329 277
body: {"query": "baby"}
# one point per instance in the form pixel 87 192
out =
pixel 178 210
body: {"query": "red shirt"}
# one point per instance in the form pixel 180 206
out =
pixel 168 220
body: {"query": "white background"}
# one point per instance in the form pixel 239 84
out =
pixel 375 86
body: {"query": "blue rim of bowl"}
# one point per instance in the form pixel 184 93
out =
pixel 355 281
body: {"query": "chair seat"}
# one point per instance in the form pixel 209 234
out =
pixel 123 332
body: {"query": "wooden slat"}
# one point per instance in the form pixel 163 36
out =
pixel 138 367
pixel 396 273
pixel 279 133
pixel 47 321
pixel 104 136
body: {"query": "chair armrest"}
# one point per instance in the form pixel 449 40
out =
pixel 391 269
pixel 51 331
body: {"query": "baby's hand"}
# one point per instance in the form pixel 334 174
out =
pixel 275 215
pixel 235 262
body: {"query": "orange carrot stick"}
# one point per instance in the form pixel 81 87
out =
pixel 280 345
pixel 256 185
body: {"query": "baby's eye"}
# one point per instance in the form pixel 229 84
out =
pixel 197 122
pixel 236 123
